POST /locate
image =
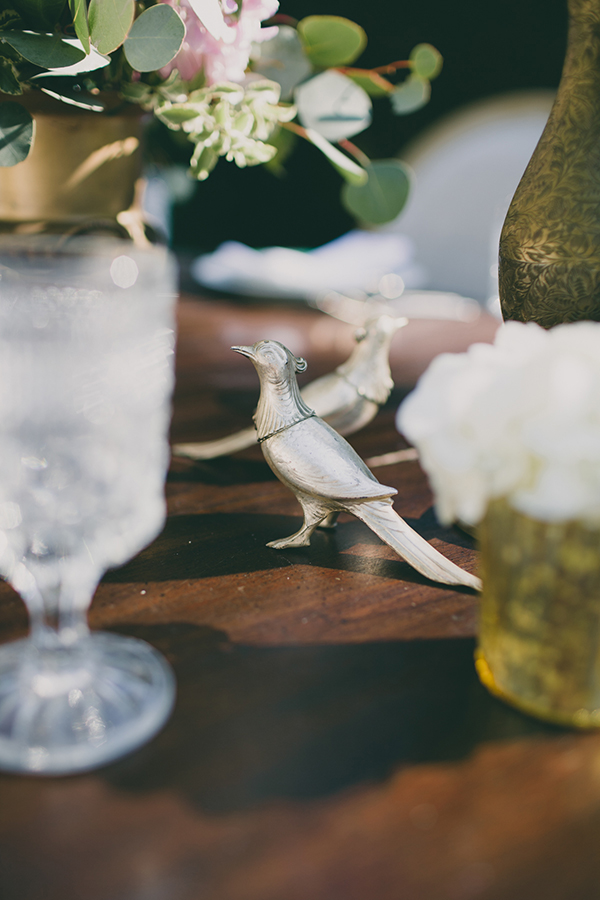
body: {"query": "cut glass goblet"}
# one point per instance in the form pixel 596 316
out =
pixel 86 374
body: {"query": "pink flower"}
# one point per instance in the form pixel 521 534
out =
pixel 225 58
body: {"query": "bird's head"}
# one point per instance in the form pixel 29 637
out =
pixel 368 366
pixel 273 362
pixel 379 330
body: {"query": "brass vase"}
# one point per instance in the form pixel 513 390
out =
pixel 81 173
pixel 539 632
pixel 550 243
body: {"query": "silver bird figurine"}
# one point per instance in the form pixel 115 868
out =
pixel 323 470
pixel 348 398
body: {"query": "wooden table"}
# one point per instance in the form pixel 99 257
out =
pixel 330 740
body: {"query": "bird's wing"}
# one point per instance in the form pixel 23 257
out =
pixel 313 458
pixel 221 447
pixel 329 394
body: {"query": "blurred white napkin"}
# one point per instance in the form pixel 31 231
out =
pixel 355 262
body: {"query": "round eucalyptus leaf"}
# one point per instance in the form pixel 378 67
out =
pixel 89 63
pixel 109 23
pixel 331 40
pixel 426 61
pixel 333 105
pixel 46 50
pixel 154 38
pixel 411 95
pixel 282 60
pixel 16 133
pixel 383 196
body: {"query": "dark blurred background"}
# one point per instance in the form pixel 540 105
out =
pixel 488 48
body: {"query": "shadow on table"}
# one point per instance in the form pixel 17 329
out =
pixel 224 470
pixel 217 544
pixel 255 724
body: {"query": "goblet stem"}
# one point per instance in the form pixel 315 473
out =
pixel 70 699
pixel 58 610
pixel 58 660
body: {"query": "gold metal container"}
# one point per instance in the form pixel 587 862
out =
pixel 539 637
pixel 82 168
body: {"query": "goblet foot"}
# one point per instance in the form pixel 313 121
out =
pixel 68 709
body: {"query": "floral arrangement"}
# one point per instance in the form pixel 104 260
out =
pixel 239 80
pixel 518 419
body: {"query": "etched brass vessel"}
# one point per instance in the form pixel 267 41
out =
pixel 539 634
pixel 550 243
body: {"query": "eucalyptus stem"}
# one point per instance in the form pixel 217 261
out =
pixel 356 152
pixel 392 67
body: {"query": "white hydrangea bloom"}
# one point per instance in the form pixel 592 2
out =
pixel 517 419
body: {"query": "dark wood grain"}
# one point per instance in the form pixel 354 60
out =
pixel 330 739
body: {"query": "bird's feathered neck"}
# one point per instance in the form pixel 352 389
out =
pixel 368 368
pixel 280 405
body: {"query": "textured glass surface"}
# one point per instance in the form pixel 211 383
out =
pixel 539 638
pixel 86 374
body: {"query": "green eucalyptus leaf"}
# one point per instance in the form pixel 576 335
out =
pixel 282 60
pixel 109 23
pixel 154 39
pixel 426 61
pixel 331 40
pixel 411 95
pixel 80 21
pixel 334 105
pixel 16 133
pixel 89 63
pixel 9 83
pixel 370 81
pixel 348 169
pixel 39 15
pixel 383 196
pixel 49 51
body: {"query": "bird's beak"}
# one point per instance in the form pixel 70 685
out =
pixel 245 351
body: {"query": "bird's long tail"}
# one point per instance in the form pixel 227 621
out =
pixel 222 447
pixel 381 518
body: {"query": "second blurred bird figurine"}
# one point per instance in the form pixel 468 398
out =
pixel 325 473
pixel 347 398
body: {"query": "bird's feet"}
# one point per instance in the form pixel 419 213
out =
pixel 300 539
pixel 329 521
